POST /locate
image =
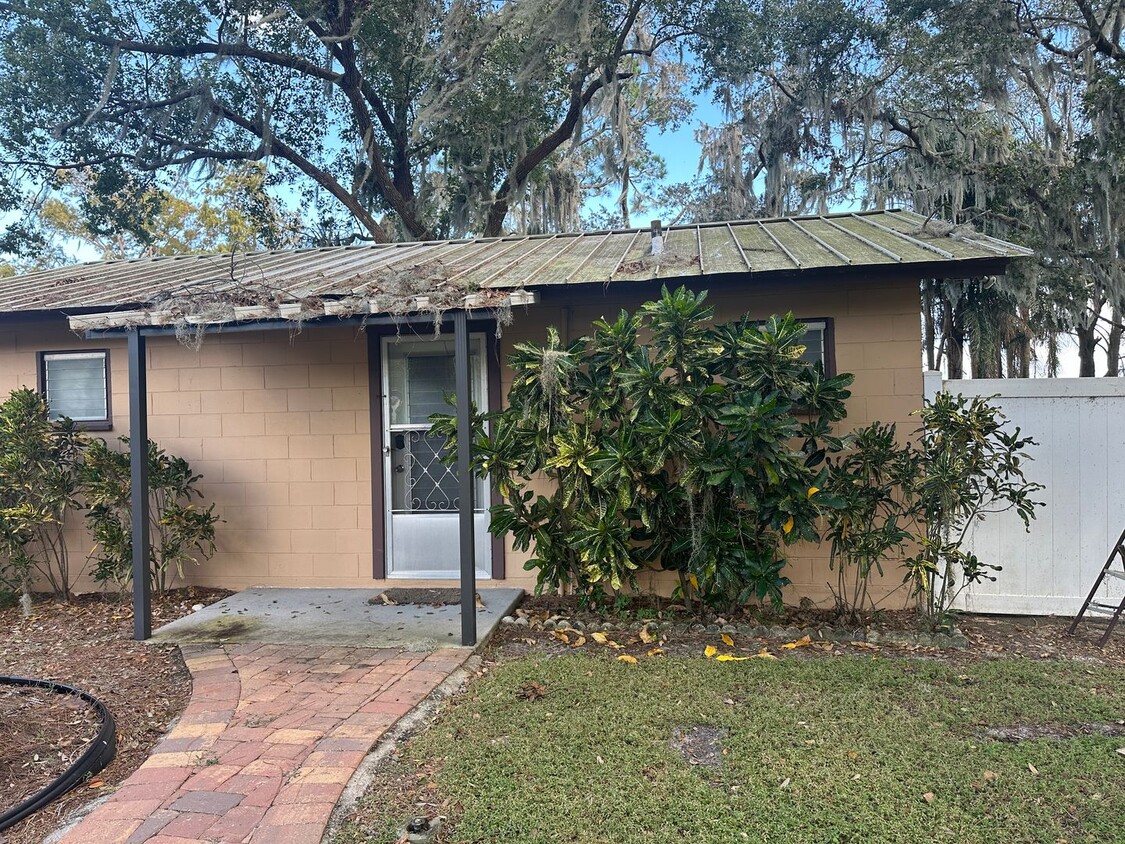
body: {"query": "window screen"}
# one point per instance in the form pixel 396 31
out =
pixel 76 385
pixel 814 344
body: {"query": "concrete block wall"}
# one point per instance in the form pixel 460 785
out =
pixel 279 425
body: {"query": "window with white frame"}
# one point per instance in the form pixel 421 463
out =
pixel 816 342
pixel 76 385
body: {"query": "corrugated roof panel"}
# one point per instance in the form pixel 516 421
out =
pixel 786 245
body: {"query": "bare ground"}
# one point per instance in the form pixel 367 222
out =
pixel 88 644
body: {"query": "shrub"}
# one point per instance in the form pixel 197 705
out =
pixel 39 459
pixel 180 531
pixel 970 467
pixel 677 451
pixel 872 479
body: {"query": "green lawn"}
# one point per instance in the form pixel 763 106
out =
pixel 821 750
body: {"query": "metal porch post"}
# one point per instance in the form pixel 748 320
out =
pixel 465 479
pixel 138 474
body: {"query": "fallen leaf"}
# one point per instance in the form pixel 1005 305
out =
pixel 390 602
pixel 1032 768
pixel 632 660
pixel 96 784
pixel 728 641
pixel 1121 750
pixel 646 636
pixel 928 797
pixel 601 761
pixel 599 637
pixel 785 783
pixel 656 651
pixel 580 641
pixel 764 654
pixel 856 777
pixel 852 754
pixel 989 776
pixel 562 637
pixel 532 691
pixel 710 651
pixel 730 658
pixel 804 641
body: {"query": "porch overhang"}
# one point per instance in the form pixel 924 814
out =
pixel 139 325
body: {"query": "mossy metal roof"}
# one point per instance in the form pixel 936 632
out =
pixel 785 246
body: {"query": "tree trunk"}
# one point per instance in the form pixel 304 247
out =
pixel 1113 346
pixel 1087 344
pixel 953 337
pixel 929 328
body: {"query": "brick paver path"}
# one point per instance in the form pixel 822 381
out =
pixel 271 736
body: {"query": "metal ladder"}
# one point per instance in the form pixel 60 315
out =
pixel 1113 611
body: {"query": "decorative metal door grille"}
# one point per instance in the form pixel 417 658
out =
pixel 421 482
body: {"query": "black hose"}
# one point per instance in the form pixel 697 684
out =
pixel 93 759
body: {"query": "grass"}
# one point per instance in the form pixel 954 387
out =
pixel 816 750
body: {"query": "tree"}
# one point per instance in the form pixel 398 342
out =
pixel 1004 115
pixel 415 119
pixel 232 211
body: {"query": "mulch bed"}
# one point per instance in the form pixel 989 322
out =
pixel 88 644
pixel 681 632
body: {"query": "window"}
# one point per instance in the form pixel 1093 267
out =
pixel 817 342
pixel 76 385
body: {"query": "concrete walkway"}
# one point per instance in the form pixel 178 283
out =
pixel 271 736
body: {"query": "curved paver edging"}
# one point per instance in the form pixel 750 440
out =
pixel 267 744
pixel 93 759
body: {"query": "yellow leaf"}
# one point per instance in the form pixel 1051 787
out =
pixel 800 643
pixel 693 580
pixel 562 637
pixel 813 490
pixel 580 641
pixel 730 658
pixel 728 641
pixel 764 654
pixel 710 651
pixel 656 651
pixel 788 526
pixel 599 637
pixel 632 660
pixel 646 636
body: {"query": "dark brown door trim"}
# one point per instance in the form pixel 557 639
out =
pixel 375 335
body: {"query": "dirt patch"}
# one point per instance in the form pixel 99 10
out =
pixel 1059 732
pixel 89 644
pixel 45 732
pixel 219 629
pixel 700 745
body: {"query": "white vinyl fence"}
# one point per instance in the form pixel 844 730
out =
pixel 1079 425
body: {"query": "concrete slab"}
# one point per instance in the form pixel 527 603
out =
pixel 333 617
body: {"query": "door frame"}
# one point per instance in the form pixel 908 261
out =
pixel 375 387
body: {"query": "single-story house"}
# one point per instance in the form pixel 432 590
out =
pixel 286 379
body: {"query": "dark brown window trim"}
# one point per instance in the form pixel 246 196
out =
pixel 89 425
pixel 375 335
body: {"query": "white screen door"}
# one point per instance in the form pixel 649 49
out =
pixel 422 493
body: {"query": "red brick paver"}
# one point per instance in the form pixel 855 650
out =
pixel 271 736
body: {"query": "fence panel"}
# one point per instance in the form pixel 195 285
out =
pixel 1079 425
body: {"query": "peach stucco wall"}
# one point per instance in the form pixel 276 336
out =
pixel 279 425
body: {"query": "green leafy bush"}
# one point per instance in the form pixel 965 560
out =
pixel 970 466
pixel 678 450
pixel 180 531
pixel 38 484
pixel 873 478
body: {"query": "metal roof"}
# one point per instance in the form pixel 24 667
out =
pixel 491 267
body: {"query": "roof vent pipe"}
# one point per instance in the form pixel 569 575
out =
pixel 657 238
